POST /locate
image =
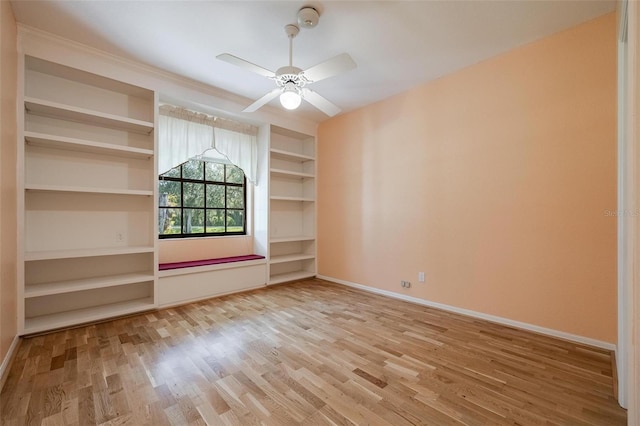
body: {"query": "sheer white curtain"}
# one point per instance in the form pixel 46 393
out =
pixel 239 148
pixel 179 140
pixel 185 134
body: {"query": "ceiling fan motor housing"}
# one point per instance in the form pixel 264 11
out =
pixel 290 75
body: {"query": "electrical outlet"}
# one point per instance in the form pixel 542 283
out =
pixel 421 277
pixel 119 237
pixel 405 284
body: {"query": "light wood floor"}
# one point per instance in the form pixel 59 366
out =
pixel 306 353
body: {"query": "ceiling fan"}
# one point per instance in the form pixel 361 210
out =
pixel 291 80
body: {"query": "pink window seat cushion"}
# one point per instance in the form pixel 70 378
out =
pixel 204 262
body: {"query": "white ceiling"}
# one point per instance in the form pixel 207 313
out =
pixel 396 44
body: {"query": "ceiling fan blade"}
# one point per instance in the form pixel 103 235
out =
pixel 334 66
pixel 319 102
pixel 263 100
pixel 246 65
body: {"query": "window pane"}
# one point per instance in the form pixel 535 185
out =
pixel 209 204
pixel 234 174
pixel 235 197
pixel 175 172
pixel 193 169
pixel 215 220
pixel 235 221
pixel 169 193
pixel 169 221
pixel 193 194
pixel 214 171
pixel 193 221
pixel 215 196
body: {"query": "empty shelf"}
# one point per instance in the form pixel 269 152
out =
pixel 291 174
pixel 290 276
pixel 73 113
pixel 291 156
pixel 70 254
pixel 59 287
pixel 79 316
pixel 81 145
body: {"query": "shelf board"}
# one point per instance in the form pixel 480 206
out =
pixel 291 239
pixel 290 174
pixel 79 316
pixel 92 190
pixel 290 133
pixel 87 78
pixel 69 112
pixel 279 198
pixel 81 145
pixel 291 156
pixel 70 254
pixel 291 258
pixel 60 287
pixel 290 276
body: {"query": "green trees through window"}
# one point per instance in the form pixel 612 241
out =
pixel 200 198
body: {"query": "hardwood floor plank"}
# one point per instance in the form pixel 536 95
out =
pixel 86 410
pixel 311 353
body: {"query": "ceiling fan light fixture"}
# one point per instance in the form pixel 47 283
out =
pixel 290 98
pixel 291 80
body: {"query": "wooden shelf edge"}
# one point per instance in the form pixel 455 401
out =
pixel 280 153
pixel 292 239
pixel 291 258
pixel 301 199
pixel 87 190
pixel 83 145
pixel 291 174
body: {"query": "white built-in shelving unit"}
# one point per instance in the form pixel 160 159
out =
pixel 88 205
pixel 292 205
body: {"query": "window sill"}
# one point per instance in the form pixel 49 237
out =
pixel 204 237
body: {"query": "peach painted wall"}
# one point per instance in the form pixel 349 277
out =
pixel 8 202
pixel 493 180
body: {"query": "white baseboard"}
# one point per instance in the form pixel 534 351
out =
pixel 6 362
pixel 492 318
